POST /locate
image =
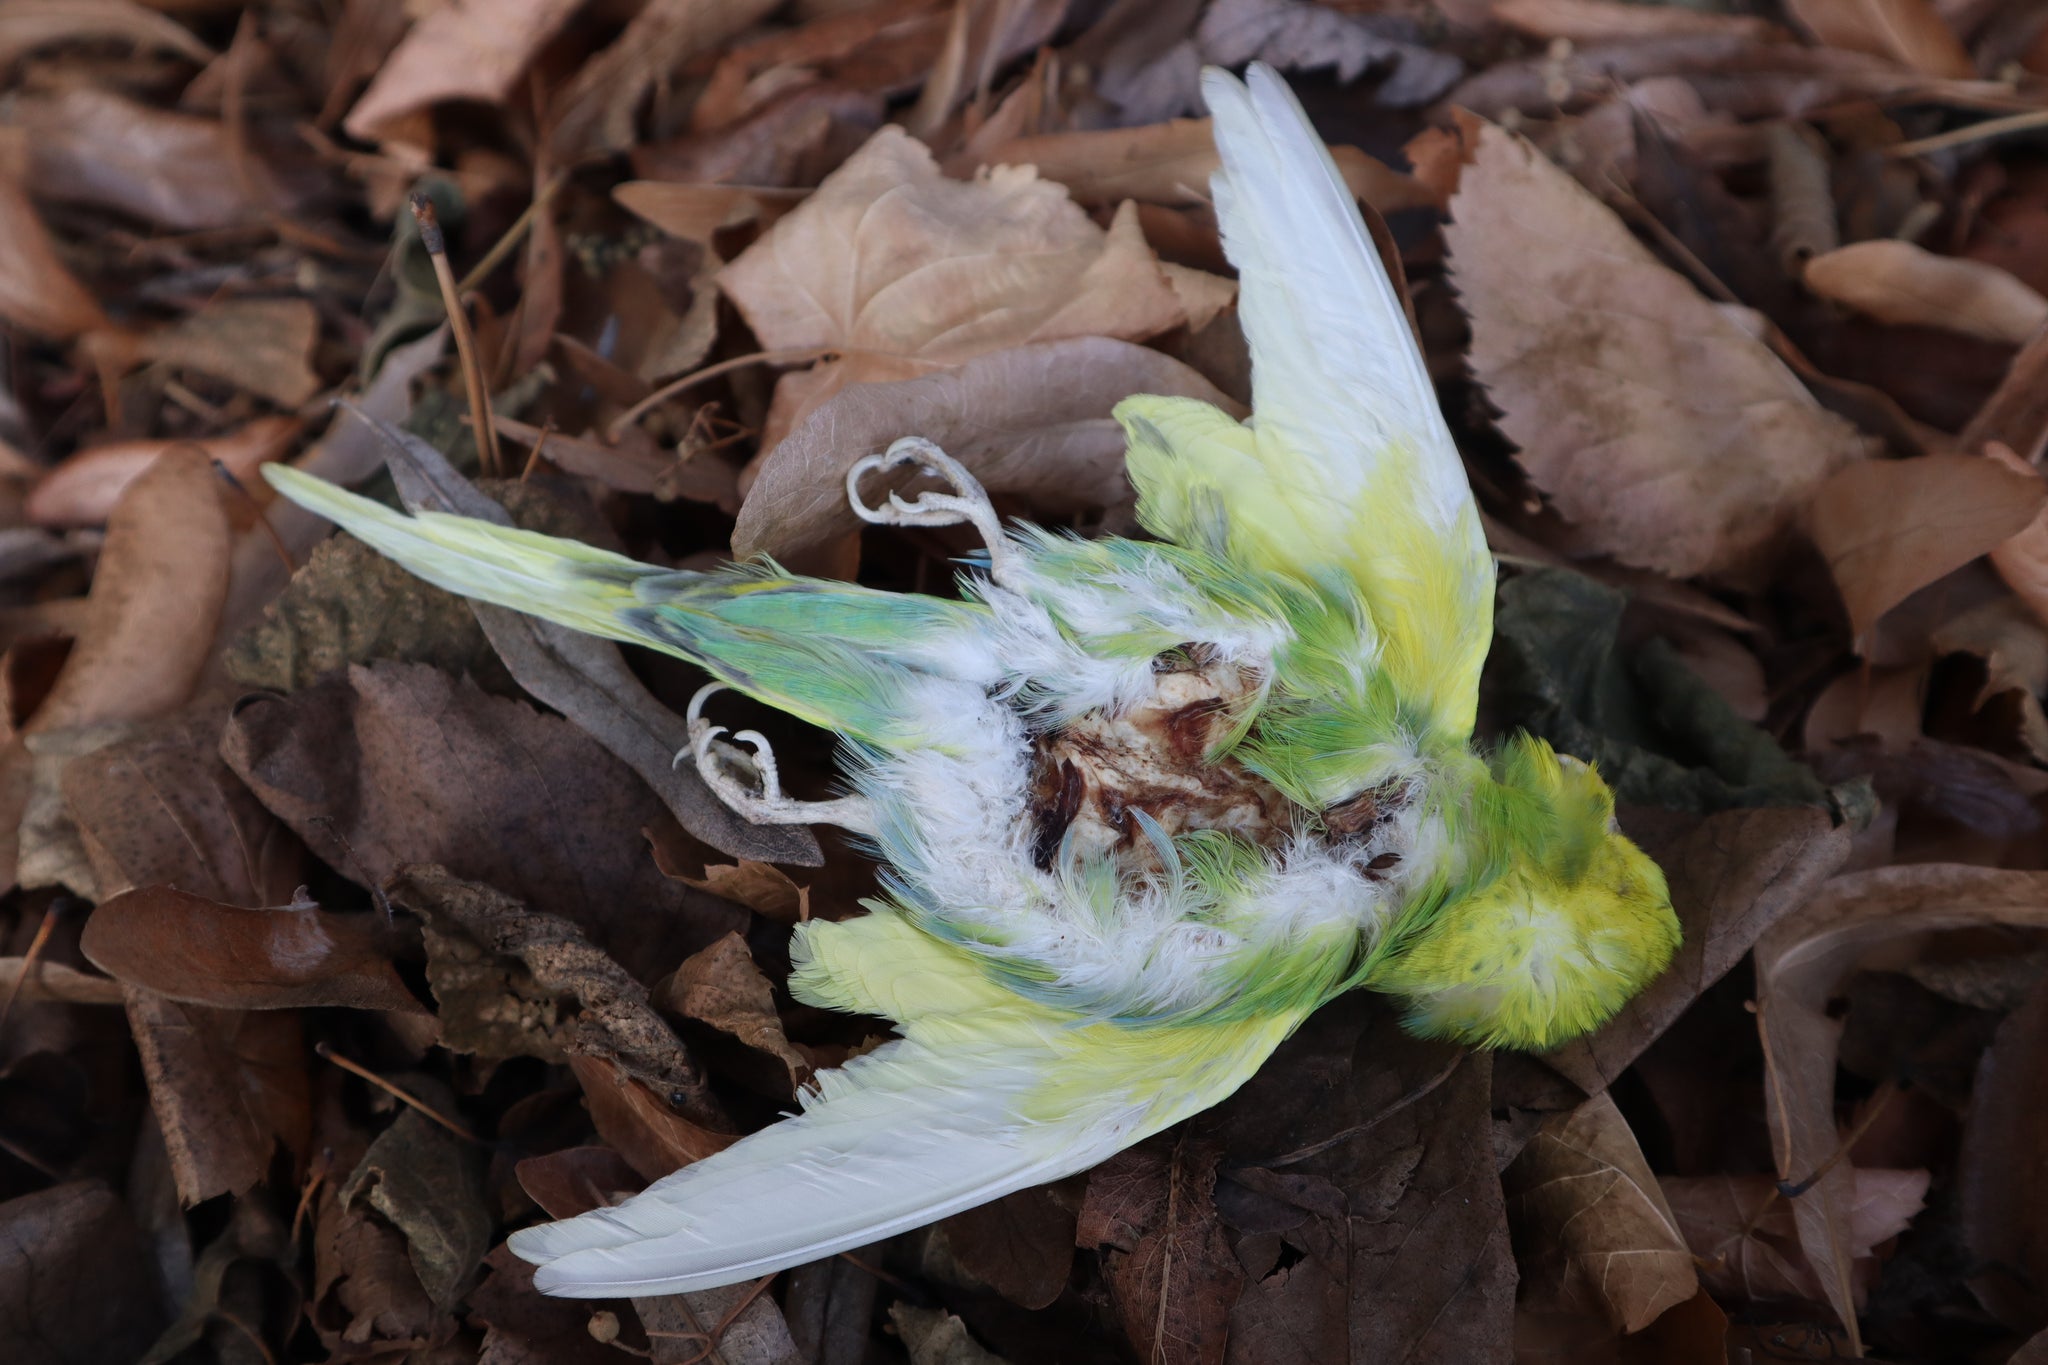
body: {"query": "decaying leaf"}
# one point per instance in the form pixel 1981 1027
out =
pixel 1032 422
pixel 721 986
pixel 1021 1246
pixel 457 52
pixel 1151 1211
pixel 1802 963
pixel 1741 1229
pixel 1593 1229
pixel 201 952
pixel 1659 734
pixel 525 1327
pixel 77 1281
pixel 514 982
pixel 1899 282
pixel 652 1137
pixel 1910 32
pixel 429 1184
pixel 904 271
pixel 763 889
pixel 365 1291
pixel 2003 1185
pixel 84 490
pixel 1667 432
pixel 396 763
pixel 1890 527
pixel 262 345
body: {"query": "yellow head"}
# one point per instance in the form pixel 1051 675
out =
pixel 1559 921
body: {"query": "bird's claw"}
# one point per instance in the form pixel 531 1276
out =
pixel 967 502
pixel 721 767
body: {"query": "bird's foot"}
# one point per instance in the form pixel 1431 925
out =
pixel 722 767
pixel 967 502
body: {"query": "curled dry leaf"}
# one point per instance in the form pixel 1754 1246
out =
pixel 201 952
pixel 515 982
pixel 722 987
pixel 697 212
pixel 1902 283
pixel 1673 437
pixel 1741 1229
pixel 38 292
pixel 907 271
pixel 1802 964
pixel 1170 163
pixel 764 889
pixel 84 489
pixel 1592 1227
pixel 1032 422
pixel 1296 35
pixel 26 25
pixel 429 1184
pixel 1890 527
pixel 470 52
pixel 595 111
pixel 150 618
pixel 1605 21
pixel 2003 1180
pixel 1909 32
pixel 178 171
pixel 2022 558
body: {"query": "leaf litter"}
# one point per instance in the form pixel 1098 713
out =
pixel 1737 314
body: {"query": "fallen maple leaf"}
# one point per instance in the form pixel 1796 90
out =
pixel 905 271
pixel 1672 436
pixel 1593 1228
pixel 1890 527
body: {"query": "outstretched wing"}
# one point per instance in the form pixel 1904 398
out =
pixel 1347 474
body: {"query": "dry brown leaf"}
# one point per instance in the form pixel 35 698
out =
pixel 38 292
pixel 1021 1246
pixel 1890 527
pixel 696 212
pixel 652 1138
pixel 1151 1211
pixel 1605 21
pixel 2022 559
pixel 262 345
pixel 40 980
pixel 395 764
pixel 175 170
pixel 1910 32
pixel 467 50
pixel 886 47
pixel 227 1086
pixel 2000 1170
pixel 1732 876
pixel 978 41
pixel 1901 283
pixel 2016 414
pixel 595 111
pixel 907 271
pixel 84 489
pixel 761 887
pixel 155 598
pixel 1741 1229
pixel 1594 1230
pixel 1802 964
pixel 1170 163
pixel 78 1277
pixel 26 25
pixel 1668 433
pixel 201 952
pixel 722 987
pixel 1296 35
pixel 513 982
pixel 1032 422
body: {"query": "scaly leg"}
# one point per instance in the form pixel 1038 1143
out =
pixel 967 502
pixel 719 764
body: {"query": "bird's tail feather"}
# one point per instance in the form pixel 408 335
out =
pixel 565 581
pixel 985 1094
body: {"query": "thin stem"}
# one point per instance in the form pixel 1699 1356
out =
pixel 1976 132
pixel 402 1096
pixel 691 380
pixel 465 341
pixel 28 962
pixel 502 249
